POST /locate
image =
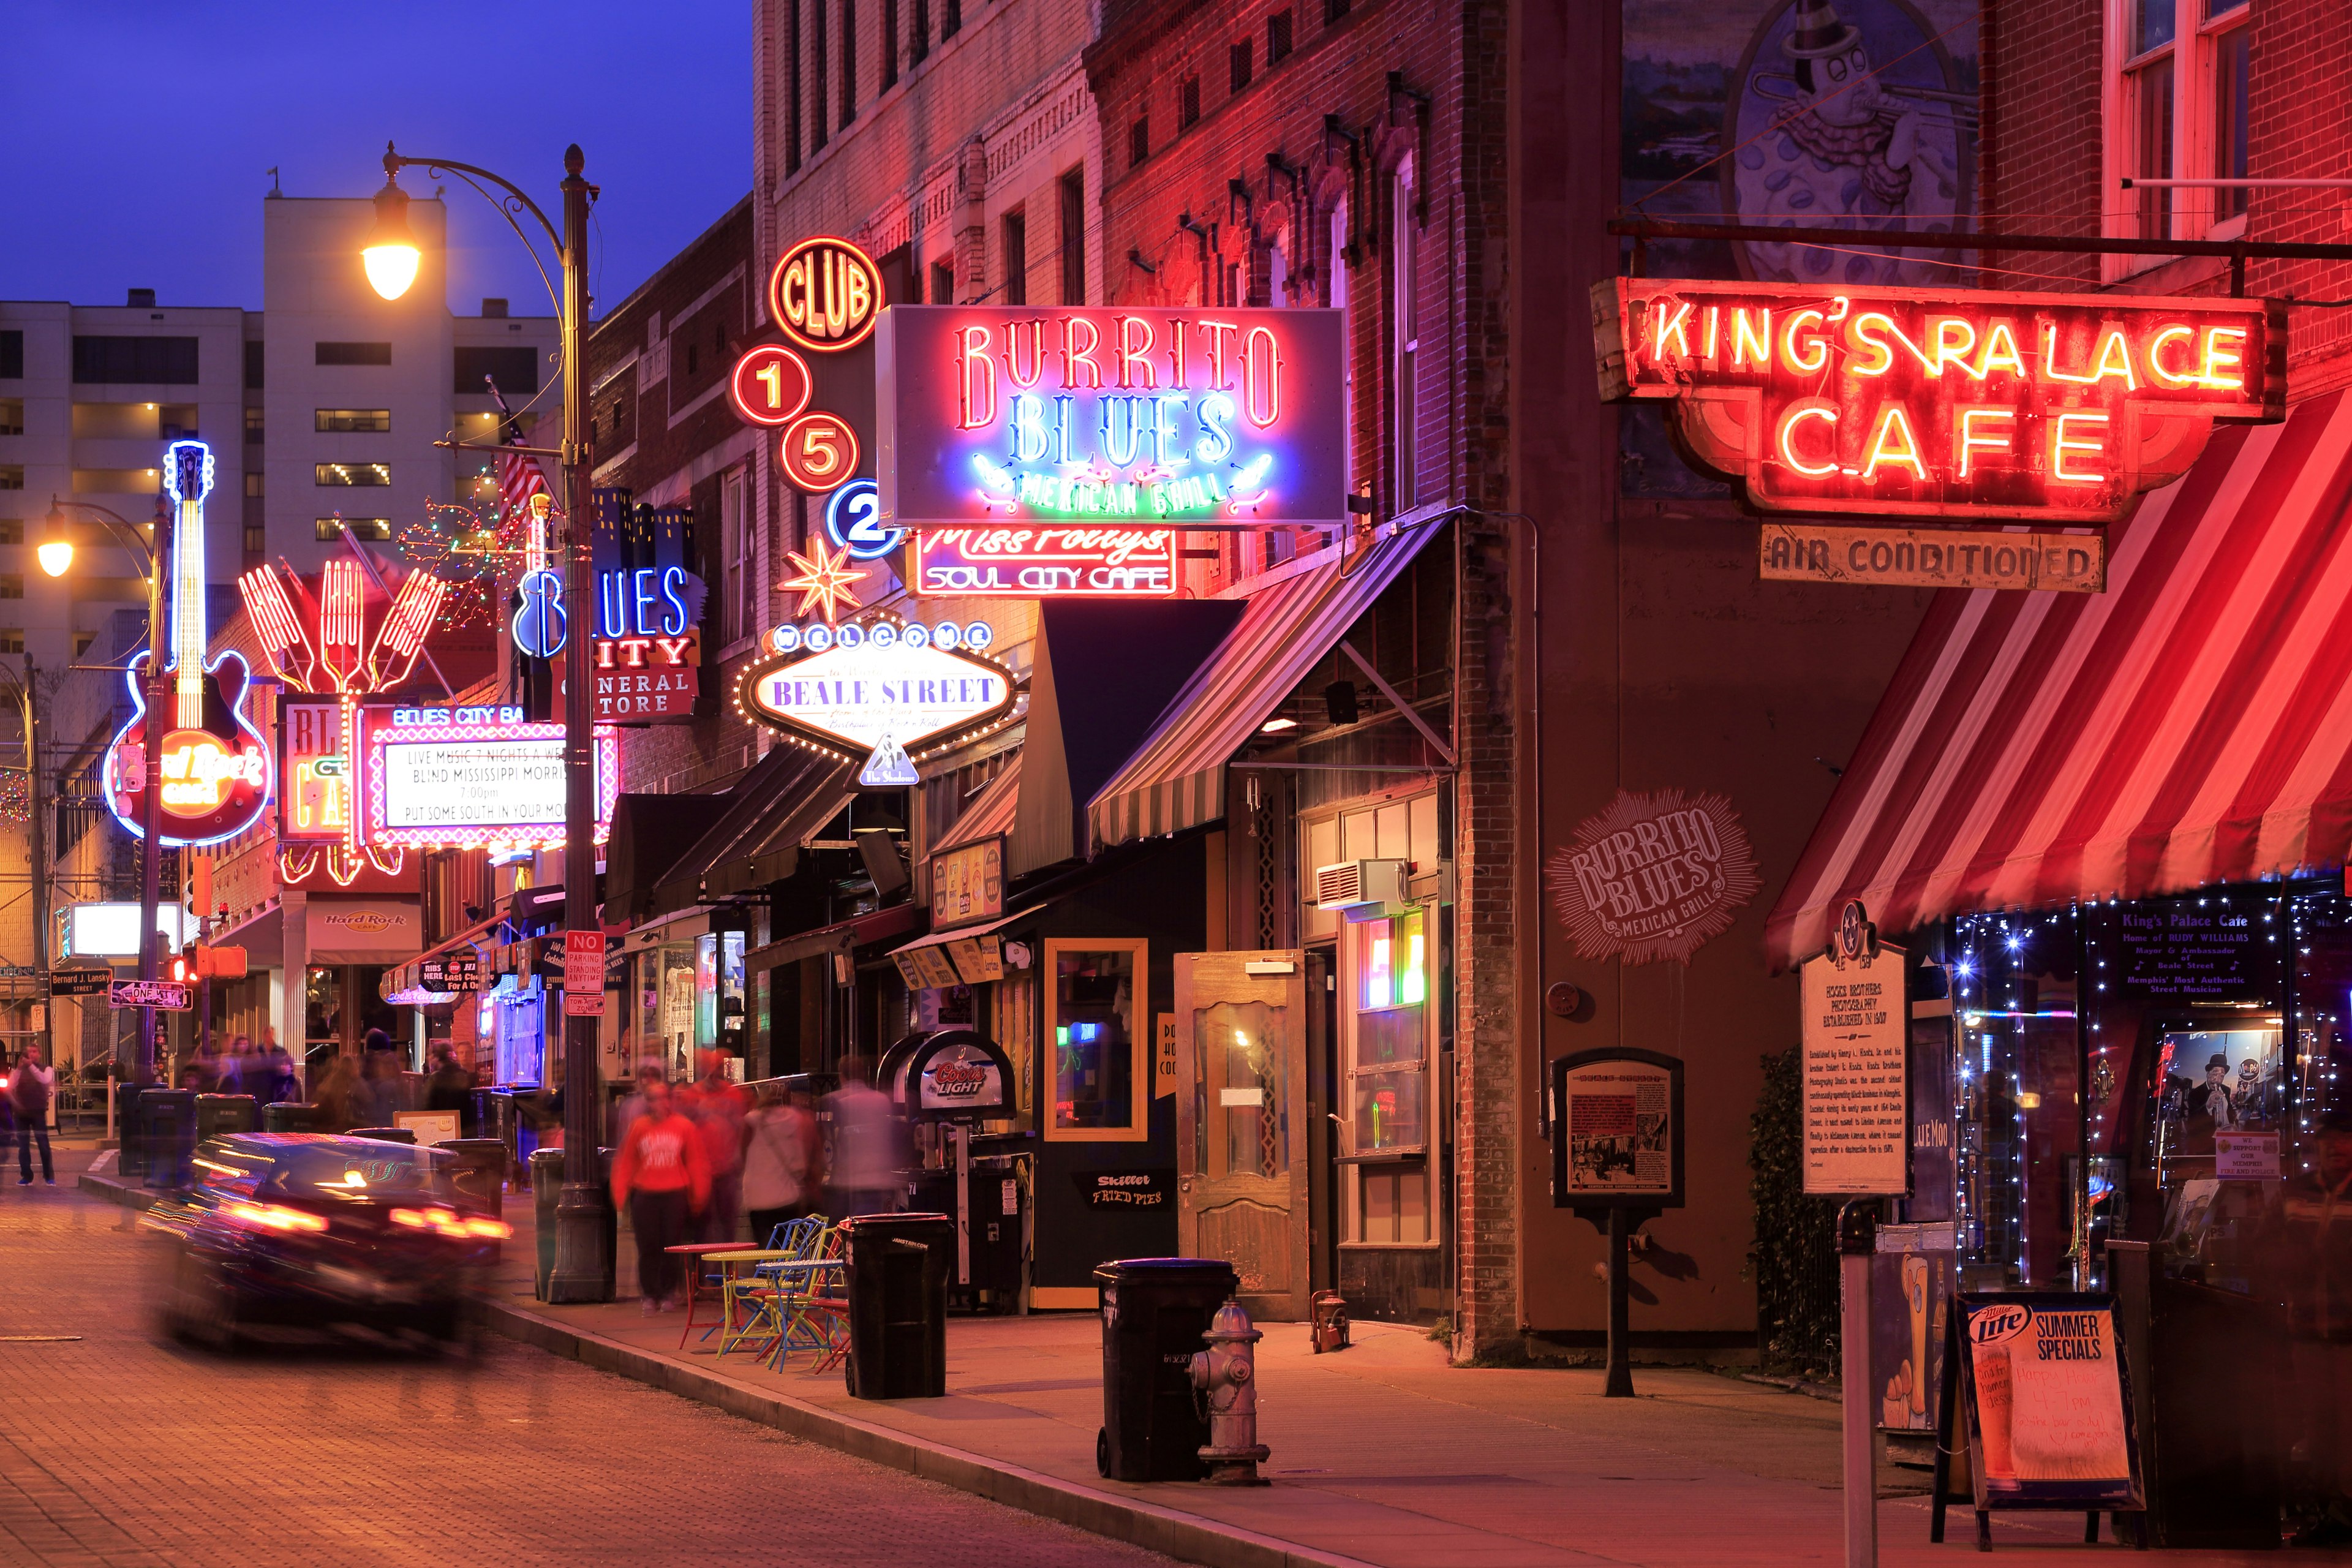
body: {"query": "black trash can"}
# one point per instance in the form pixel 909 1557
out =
pixel 221 1113
pixel 131 1132
pixel 899 1266
pixel 494 1117
pixel 168 1118
pixel 289 1116
pixel 386 1134
pixel 1154 1312
pixel 480 1172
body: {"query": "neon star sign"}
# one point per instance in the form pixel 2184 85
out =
pixel 826 580
pixel 1064 421
pixel 1913 402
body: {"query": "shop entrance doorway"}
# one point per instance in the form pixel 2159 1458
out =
pixel 1241 1104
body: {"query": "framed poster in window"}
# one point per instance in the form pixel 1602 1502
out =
pixel 1097 1074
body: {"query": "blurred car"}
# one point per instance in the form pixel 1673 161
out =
pixel 314 1230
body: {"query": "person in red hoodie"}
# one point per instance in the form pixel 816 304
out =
pixel 661 1175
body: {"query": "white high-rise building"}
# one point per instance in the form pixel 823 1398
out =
pixel 322 408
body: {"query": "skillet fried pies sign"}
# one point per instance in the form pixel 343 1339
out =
pixel 1654 876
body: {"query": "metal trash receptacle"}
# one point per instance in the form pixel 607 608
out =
pixel 897 1267
pixel 1154 1313
pixel 167 1118
pixel 222 1113
pixel 289 1116
pixel 478 1169
pixel 546 1190
pixel 129 1132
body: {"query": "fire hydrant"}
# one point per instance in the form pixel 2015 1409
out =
pixel 1227 1371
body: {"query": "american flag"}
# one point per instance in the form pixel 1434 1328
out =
pixel 519 475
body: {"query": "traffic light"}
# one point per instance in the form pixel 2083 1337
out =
pixel 183 964
pixel 202 960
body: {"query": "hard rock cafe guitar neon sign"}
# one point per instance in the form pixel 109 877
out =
pixel 215 766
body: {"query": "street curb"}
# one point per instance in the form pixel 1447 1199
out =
pixel 1165 1530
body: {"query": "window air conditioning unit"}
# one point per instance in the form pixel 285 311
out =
pixel 1360 888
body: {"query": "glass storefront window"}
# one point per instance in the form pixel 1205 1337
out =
pixel 1094 1025
pixel 1241 1114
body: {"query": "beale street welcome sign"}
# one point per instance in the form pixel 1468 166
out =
pixel 1952 405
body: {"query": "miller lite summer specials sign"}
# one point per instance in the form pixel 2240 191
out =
pixel 1653 877
pixel 1953 405
pixel 1047 452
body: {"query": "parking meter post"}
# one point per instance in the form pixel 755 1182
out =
pixel 1857 1239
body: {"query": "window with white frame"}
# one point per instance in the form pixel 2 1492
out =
pixel 2178 73
pixel 738 604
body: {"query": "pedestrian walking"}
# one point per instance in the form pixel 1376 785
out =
pixel 30 1087
pixel 277 1072
pixel 451 1087
pixel 336 1096
pixel 867 1170
pixel 663 1178
pixel 783 1158
pixel 381 1095
pixel 717 1105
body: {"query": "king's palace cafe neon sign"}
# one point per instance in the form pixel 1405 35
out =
pixel 1924 403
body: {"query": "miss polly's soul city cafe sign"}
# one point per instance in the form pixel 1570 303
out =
pixel 1938 408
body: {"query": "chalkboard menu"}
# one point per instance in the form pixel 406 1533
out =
pixel 2187 950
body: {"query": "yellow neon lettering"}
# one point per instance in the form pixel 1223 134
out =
pixel 2001 352
pixel 1881 358
pixel 1949 341
pixel 1798 412
pixel 1675 324
pixel 2115 359
pixel 1893 442
pixel 2060 445
pixel 2156 370
pixel 2050 360
pixel 1972 443
pixel 1714 330
pixel 1751 344
pixel 2217 360
pixel 1803 364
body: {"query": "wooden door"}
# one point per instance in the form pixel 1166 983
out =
pixel 1241 1113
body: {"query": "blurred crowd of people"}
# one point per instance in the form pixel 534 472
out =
pixel 263 1070
pixel 696 1162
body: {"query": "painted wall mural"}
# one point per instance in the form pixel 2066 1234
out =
pixel 1656 875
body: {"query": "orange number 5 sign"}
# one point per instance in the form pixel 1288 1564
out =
pixel 818 451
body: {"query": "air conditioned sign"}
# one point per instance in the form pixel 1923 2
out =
pixel 1930 403
pixel 1108 422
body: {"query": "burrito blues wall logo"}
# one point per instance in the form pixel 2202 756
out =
pixel 1654 876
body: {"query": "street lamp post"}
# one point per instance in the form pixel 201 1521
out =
pixel 36 830
pixel 56 554
pixel 582 1271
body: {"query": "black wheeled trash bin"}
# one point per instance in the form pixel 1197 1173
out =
pixel 1154 1312
pixel 223 1113
pixel 289 1116
pixel 131 1132
pixel 168 1119
pixel 480 1173
pixel 899 1266
pixel 546 1190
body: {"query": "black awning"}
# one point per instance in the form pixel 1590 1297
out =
pixel 651 833
pixel 747 823
pixel 769 849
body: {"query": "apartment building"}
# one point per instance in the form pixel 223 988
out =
pixel 321 409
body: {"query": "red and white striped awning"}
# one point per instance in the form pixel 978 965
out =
pixel 2190 725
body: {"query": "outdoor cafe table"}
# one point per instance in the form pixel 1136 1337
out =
pixel 726 1255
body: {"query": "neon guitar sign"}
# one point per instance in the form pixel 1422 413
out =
pixel 216 765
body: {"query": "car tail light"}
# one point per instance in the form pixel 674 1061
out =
pixel 449 1222
pixel 276 1217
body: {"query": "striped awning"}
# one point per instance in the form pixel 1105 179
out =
pixel 2190 725
pixel 1176 779
pixel 991 814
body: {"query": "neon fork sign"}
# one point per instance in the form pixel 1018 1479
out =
pixel 1912 402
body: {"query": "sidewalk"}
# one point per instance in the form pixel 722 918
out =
pixel 1383 1454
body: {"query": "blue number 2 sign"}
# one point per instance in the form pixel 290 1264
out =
pixel 850 518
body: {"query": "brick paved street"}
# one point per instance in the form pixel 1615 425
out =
pixel 118 1450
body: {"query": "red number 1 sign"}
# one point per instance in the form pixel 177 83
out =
pixel 771 386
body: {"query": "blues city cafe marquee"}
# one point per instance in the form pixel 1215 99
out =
pixel 1038 453
pixel 1924 403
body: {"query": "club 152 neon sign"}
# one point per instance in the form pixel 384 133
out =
pixel 1933 402
pixel 1124 417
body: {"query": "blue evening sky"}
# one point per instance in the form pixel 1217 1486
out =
pixel 141 134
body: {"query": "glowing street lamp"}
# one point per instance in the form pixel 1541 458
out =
pixel 55 550
pixel 391 253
